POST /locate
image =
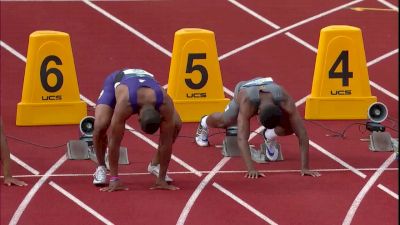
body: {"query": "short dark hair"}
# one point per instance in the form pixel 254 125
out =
pixel 270 115
pixel 150 120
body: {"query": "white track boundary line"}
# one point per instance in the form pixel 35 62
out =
pixel 244 204
pixel 23 164
pixel 365 189
pixel 341 162
pixel 129 28
pixel 283 30
pixel 13 51
pixel 256 15
pixel 272 24
pixel 206 172
pixel 80 203
pixel 390 5
pixel 387 190
pixel 28 197
pixel 199 189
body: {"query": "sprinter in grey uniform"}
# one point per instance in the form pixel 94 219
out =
pixel 276 111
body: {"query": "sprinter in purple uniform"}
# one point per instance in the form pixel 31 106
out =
pixel 127 92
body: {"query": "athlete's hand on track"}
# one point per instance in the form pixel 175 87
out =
pixel 114 186
pixel 163 185
pixel 254 174
pixel 13 181
pixel 305 172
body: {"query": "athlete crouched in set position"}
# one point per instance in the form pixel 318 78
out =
pixel 127 92
pixel 276 112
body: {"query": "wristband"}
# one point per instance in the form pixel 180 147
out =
pixel 114 178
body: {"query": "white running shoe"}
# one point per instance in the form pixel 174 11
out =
pixel 155 170
pixel 100 176
pixel 271 151
pixel 202 135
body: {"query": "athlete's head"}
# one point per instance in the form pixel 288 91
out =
pixel 269 115
pixel 150 119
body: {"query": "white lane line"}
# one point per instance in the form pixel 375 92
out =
pixel 129 28
pixel 341 162
pixel 198 190
pixel 382 57
pixel 244 204
pixel 207 172
pixel 283 30
pixel 384 90
pixel 387 190
pixel 272 24
pixel 28 197
pixel 377 86
pixel 256 15
pixel 13 51
pixel 357 201
pixel 302 42
pixel 390 5
pixel 23 164
pixel 80 203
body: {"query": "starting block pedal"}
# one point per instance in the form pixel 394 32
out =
pixel 79 149
pixel 381 141
pixel 123 157
pixel 230 146
pixel 258 156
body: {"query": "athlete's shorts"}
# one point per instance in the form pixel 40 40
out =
pixel 232 109
pixel 231 113
pixel 107 95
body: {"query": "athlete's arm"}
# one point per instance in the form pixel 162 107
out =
pixel 300 131
pixel 167 134
pixel 246 111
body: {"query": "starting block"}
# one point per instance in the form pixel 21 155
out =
pixel 80 150
pixel 230 148
pixel 77 149
pixel 265 155
pixel 229 145
pixel 382 142
pixel 123 157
